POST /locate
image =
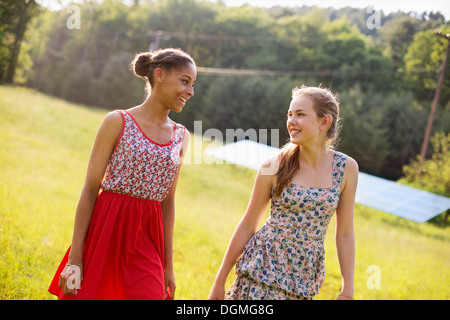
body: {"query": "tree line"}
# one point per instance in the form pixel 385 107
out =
pixel 385 76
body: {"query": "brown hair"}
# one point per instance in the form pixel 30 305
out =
pixel 324 102
pixel 145 63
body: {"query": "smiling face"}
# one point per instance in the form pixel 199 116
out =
pixel 176 86
pixel 303 124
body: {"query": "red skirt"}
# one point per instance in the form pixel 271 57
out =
pixel 123 256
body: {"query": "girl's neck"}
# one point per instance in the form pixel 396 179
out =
pixel 314 156
pixel 154 109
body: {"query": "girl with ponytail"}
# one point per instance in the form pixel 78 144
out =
pixel 285 258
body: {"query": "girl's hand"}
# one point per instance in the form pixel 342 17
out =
pixel 70 279
pixel 217 292
pixel 169 279
pixel 344 297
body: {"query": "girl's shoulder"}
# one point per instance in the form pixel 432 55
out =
pixel 350 168
pixel 113 120
pixel 270 165
pixel 350 163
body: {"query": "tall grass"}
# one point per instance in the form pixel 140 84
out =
pixel 45 145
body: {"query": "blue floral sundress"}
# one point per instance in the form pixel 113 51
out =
pixel 285 258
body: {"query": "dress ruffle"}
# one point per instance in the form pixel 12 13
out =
pixel 291 265
pixel 246 288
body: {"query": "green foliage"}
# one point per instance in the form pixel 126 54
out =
pixel 14 19
pixel 254 102
pixel 117 87
pixel 397 35
pixel 385 77
pixel 434 173
pixel 427 52
pixel 394 124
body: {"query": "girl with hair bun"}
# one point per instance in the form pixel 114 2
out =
pixel 305 183
pixel 123 232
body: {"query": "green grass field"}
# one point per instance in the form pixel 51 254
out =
pixel 45 145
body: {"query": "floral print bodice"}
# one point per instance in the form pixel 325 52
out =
pixel 288 251
pixel 140 167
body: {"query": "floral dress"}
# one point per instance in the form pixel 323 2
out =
pixel 123 256
pixel 285 258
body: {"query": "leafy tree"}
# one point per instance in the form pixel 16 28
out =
pixel 15 16
pixel 434 173
pixel 243 103
pixel 427 52
pixel 247 32
pixel 363 134
pixel 78 84
pixel 383 119
pixel 381 131
pixel 117 87
pixel 397 34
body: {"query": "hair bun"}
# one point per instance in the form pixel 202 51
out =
pixel 141 63
pixel 145 63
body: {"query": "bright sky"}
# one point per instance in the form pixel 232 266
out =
pixel 387 6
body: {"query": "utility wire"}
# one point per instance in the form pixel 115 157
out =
pixel 230 38
pixel 250 72
pixel 254 72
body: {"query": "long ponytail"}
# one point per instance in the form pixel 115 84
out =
pixel 288 166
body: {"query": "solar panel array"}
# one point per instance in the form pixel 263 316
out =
pixel 375 192
pixel 400 200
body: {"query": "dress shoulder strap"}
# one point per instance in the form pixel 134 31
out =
pixel 338 168
pixel 123 113
pixel 180 130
